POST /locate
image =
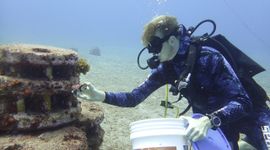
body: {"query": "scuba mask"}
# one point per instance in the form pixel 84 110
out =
pixel 154 47
pixel 155 44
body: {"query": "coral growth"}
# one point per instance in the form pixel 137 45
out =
pixel 82 66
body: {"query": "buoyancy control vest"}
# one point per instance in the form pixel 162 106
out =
pixel 244 67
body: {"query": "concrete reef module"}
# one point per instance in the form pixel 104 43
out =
pixel 35 86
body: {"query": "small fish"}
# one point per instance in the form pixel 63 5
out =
pixel 95 51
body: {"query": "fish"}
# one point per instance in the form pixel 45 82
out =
pixel 95 51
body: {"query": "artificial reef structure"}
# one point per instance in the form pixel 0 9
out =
pixel 36 95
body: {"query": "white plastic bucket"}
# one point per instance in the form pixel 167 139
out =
pixel 158 134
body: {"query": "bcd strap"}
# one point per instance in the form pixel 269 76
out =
pixel 184 76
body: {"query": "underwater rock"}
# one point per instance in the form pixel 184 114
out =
pixel 95 51
pixel 74 49
pixel 83 134
pixel 61 139
pixel 89 122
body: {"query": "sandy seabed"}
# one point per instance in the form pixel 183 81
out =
pixel 117 74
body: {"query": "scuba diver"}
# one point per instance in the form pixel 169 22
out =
pixel 204 76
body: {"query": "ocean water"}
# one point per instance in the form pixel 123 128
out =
pixel 115 27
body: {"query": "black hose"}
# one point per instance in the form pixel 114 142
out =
pixel 138 59
pixel 186 110
pixel 206 35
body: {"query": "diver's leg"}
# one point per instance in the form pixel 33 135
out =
pixel 232 136
pixel 243 145
pixel 258 129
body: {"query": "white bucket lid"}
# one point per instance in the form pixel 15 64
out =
pixel 158 126
pixel 158 122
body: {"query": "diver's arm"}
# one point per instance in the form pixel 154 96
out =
pixel 229 86
pixel 156 79
pixel 137 95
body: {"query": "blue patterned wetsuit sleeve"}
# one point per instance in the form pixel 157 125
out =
pixel 130 99
pixel 226 83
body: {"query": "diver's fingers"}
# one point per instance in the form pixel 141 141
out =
pixel 79 96
pixel 185 118
pixel 196 137
pixel 83 87
pixel 83 96
pixel 189 132
pixel 194 134
pixel 88 83
pixel 88 86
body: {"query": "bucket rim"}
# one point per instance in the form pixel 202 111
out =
pixel 157 120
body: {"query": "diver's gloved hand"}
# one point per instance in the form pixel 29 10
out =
pixel 87 91
pixel 197 128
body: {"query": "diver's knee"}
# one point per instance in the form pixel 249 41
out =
pixel 243 145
